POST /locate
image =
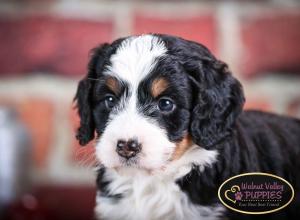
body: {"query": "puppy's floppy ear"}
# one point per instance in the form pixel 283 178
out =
pixel 83 97
pixel 218 99
pixel 85 132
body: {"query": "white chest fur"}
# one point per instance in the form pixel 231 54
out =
pixel 150 198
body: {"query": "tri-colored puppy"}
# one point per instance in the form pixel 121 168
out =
pixel 170 127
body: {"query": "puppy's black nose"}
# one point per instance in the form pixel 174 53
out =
pixel 128 149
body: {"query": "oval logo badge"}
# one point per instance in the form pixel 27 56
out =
pixel 256 193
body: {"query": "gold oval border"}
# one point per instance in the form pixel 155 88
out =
pixel 262 174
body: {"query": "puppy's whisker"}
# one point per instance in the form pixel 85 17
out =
pixel 84 157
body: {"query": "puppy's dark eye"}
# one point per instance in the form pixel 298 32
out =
pixel 110 101
pixel 165 105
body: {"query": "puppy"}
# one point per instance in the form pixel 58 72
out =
pixel 170 129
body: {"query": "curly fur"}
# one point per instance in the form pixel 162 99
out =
pixel 226 140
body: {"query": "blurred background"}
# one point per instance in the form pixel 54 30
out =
pixel 44 47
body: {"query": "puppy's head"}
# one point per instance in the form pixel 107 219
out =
pixel 149 98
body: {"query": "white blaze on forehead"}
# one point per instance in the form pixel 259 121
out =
pixel 135 58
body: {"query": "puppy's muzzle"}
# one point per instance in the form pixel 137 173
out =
pixel 128 149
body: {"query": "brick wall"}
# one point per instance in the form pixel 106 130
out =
pixel 44 51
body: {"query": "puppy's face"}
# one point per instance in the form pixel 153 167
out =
pixel 140 96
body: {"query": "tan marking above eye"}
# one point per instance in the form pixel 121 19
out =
pixel 113 85
pixel 182 147
pixel 158 86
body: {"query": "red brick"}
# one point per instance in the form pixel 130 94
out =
pixel 199 28
pixel 257 104
pixel 48 44
pixel 271 43
pixel 37 116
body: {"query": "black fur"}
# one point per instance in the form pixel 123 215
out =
pixel 85 92
pixel 176 123
pixel 218 97
pixel 209 107
pixel 261 142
